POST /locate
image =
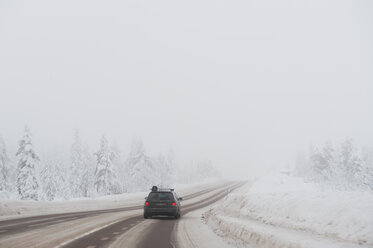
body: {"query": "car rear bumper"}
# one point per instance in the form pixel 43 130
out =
pixel 171 211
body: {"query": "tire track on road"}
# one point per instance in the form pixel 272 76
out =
pixel 161 232
pixel 12 226
pixel 107 235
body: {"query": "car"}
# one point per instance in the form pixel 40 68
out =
pixel 162 202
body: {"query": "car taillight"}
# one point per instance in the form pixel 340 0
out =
pixel 146 203
pixel 174 204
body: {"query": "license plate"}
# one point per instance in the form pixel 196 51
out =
pixel 161 204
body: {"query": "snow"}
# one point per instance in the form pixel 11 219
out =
pixel 21 208
pixel 190 231
pixel 17 208
pixel 283 211
pixel 86 174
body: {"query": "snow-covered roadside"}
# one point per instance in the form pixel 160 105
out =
pixel 190 231
pixel 21 208
pixel 283 211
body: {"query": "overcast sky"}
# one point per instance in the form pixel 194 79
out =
pixel 246 84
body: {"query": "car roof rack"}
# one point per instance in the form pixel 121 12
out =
pixel 156 188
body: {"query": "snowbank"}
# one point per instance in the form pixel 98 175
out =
pixel 287 203
pixel 15 208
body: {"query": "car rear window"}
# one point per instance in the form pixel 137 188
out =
pixel 160 196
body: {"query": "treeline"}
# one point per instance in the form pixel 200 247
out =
pixel 343 167
pixel 89 174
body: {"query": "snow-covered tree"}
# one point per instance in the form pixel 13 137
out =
pixel 366 175
pixel 49 182
pixel 105 177
pixel 27 184
pixel 88 171
pixel 344 168
pixel 323 163
pixel 76 168
pixel 140 171
pixel 349 164
pixel 119 167
pixel 349 160
pixel 80 169
pixel 4 166
pixel 53 180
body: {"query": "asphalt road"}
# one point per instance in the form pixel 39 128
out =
pixel 132 230
pixel 161 232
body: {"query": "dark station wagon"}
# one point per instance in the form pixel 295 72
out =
pixel 162 202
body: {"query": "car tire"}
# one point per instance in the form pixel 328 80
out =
pixel 146 216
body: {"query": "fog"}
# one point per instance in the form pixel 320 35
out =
pixel 246 84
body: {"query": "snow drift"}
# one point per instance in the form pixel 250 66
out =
pixel 277 208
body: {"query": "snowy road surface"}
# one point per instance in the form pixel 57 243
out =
pixel 249 217
pixel 120 227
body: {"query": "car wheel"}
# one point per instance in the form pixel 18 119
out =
pixel 146 216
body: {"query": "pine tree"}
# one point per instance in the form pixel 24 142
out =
pixel 4 166
pixel 349 164
pixel 27 184
pixel 366 175
pixel 140 169
pixel 76 166
pixel 119 167
pixel 61 178
pixel 105 176
pixel 88 171
pixel 80 169
pixel 323 163
pixel 343 169
pixel 49 181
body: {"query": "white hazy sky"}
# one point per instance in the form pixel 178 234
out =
pixel 244 83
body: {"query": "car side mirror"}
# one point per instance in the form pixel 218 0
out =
pixel 146 198
pixel 180 198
